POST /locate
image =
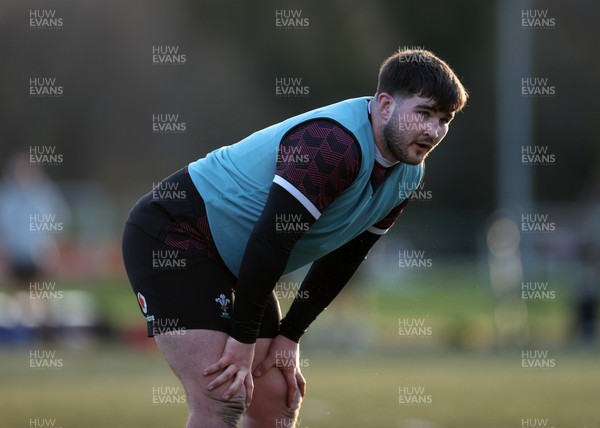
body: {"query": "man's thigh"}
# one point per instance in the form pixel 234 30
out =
pixel 188 355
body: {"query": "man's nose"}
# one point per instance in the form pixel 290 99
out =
pixel 432 130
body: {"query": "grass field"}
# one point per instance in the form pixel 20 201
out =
pixel 459 377
pixel 116 387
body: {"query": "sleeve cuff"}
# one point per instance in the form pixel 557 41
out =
pixel 289 331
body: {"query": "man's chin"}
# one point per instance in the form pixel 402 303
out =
pixel 414 160
pixel 412 157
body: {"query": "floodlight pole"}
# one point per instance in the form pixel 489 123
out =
pixel 509 253
pixel 514 113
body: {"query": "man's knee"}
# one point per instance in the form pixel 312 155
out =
pixel 270 396
pixel 211 405
pixel 292 412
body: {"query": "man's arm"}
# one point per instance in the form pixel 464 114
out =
pixel 328 275
pixel 266 256
pixel 308 177
pixel 325 279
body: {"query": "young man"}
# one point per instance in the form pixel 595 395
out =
pixel 318 188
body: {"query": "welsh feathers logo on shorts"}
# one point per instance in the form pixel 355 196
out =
pixel 142 302
pixel 224 302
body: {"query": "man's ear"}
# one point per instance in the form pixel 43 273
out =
pixel 385 105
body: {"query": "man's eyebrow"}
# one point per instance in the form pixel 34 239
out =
pixel 433 109
pixel 427 107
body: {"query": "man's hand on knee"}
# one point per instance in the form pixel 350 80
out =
pixel 235 364
pixel 284 354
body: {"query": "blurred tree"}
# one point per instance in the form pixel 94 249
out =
pixel 226 89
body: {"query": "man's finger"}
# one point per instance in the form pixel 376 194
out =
pixel 301 383
pixel 236 385
pixel 213 368
pixel 264 366
pixel 249 383
pixel 223 377
pixel 290 379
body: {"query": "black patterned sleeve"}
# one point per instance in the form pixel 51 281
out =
pixel 317 161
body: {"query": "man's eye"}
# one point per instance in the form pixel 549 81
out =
pixel 423 114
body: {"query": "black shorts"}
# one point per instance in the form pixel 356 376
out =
pixel 174 268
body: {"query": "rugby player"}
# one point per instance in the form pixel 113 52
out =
pixel 321 187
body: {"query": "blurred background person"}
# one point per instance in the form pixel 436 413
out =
pixel 33 214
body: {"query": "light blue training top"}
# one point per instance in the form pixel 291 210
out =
pixel 234 182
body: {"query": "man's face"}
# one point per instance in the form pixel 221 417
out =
pixel 414 129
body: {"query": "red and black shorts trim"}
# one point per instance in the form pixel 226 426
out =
pixel 174 268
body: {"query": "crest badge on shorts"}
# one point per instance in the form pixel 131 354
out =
pixel 224 303
pixel 142 302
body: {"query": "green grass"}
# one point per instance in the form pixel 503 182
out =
pixel 112 386
pixel 355 363
pixel 466 391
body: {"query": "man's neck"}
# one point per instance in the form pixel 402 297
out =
pixel 381 152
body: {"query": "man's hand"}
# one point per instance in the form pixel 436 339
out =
pixel 236 364
pixel 284 354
